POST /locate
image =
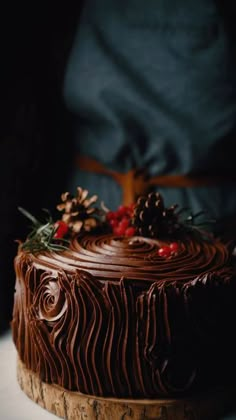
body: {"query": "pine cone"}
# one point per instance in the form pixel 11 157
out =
pixel 77 211
pixel 152 219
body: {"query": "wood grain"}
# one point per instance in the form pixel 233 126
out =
pixel 76 406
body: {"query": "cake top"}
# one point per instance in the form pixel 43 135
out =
pixel 147 218
pixel 144 242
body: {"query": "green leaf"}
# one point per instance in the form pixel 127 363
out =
pixel 41 238
pixel 29 216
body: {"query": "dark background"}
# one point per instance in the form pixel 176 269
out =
pixel 35 140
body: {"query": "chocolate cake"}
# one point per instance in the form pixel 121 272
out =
pixel 133 303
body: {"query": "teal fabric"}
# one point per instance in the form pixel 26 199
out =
pixel 153 84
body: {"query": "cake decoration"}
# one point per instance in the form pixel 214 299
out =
pixel 78 215
pixel 120 221
pixel 168 250
pixel 153 219
pixel 78 212
pixel 148 217
pixel 44 236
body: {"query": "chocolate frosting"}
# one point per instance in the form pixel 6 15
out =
pixel 110 317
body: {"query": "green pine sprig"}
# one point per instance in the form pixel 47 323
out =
pixel 42 235
pixel 197 223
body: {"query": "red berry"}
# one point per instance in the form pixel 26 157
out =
pixel 122 211
pixel 62 229
pixel 119 230
pixel 130 231
pixel 130 209
pixel 164 251
pixel 110 215
pixel 132 206
pixel 174 246
pixel 124 222
pixel 113 223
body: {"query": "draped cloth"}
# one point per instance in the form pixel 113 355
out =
pixel 152 85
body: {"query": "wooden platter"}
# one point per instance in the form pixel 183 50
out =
pixel 76 406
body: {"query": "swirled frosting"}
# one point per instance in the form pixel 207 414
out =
pixel 110 317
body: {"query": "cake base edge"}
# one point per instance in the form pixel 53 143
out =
pixel 71 405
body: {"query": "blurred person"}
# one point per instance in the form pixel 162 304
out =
pixel 153 86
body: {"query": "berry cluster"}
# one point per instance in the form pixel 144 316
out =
pixel 120 221
pixel 168 250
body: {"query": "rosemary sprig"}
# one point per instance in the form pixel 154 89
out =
pixel 42 235
pixel 200 228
